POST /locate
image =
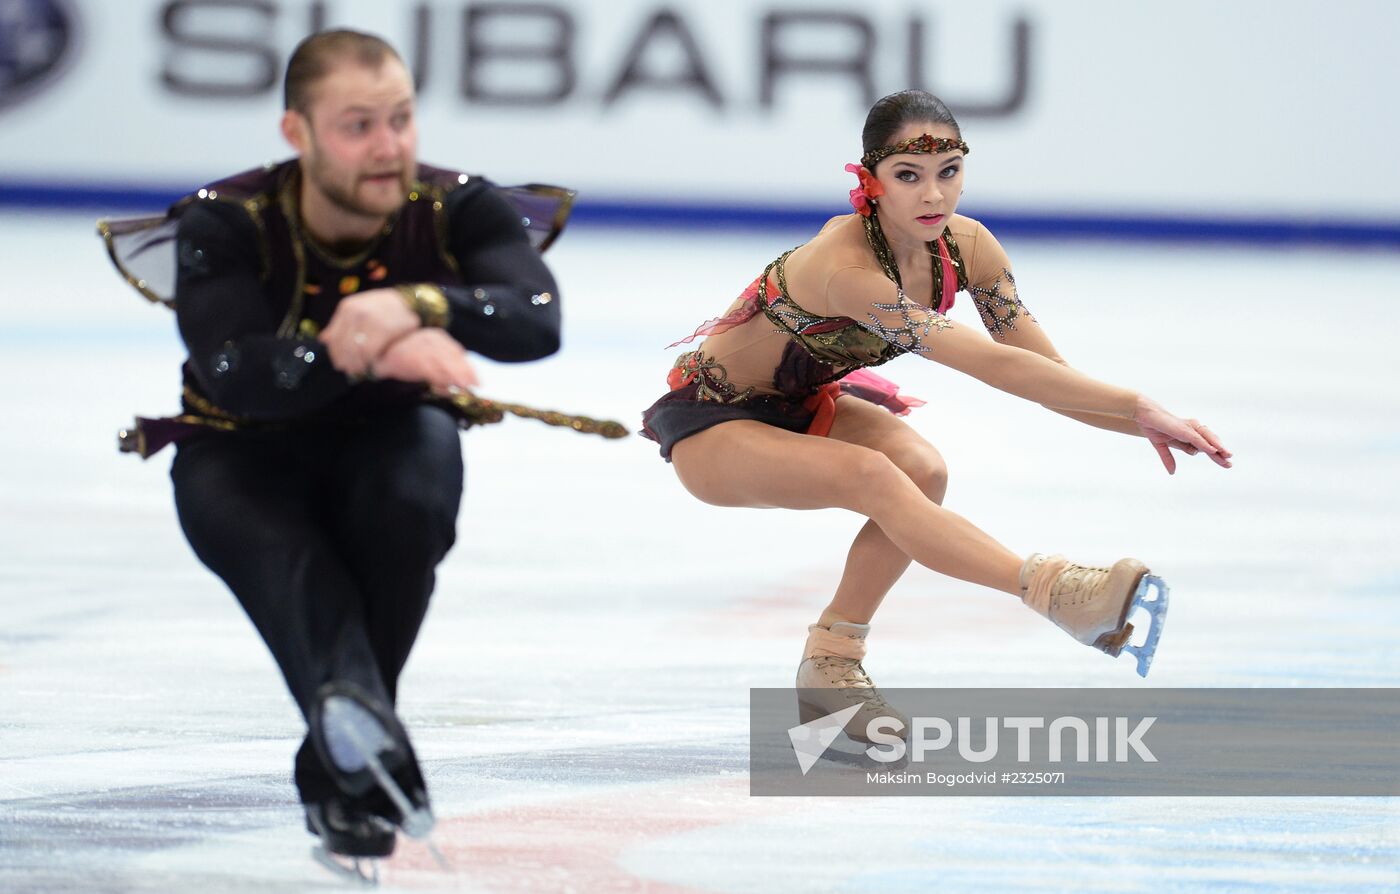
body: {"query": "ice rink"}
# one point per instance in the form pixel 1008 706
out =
pixel 580 691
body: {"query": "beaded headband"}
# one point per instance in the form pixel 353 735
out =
pixel 924 144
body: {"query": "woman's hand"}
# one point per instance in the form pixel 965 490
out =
pixel 1167 432
pixel 430 356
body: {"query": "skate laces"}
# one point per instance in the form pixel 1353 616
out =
pixel 832 651
pixel 853 675
pixel 1042 580
pixel 1060 582
pixel 1056 580
pixel 853 678
pixel 1079 582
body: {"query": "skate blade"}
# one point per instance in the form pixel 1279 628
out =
pixel 350 869
pixel 360 740
pixel 417 822
pixel 1157 610
pixel 356 739
pixel 352 734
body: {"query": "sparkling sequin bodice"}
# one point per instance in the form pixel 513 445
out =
pixel 838 343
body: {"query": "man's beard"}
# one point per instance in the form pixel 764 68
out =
pixel 344 198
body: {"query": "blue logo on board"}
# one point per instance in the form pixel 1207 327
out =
pixel 36 37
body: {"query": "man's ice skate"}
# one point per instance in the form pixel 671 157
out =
pixel 364 745
pixel 352 841
pixel 831 678
pixel 1092 604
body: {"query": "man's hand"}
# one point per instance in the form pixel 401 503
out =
pixel 430 356
pixel 363 326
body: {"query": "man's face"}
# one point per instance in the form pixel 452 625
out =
pixel 359 137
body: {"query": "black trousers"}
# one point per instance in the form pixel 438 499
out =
pixel 329 538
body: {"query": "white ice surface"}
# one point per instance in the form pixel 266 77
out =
pixel 579 693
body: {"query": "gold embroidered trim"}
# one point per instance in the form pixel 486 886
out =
pixel 254 207
pixel 955 255
pixel 711 379
pixel 287 203
pixel 439 197
pixel 133 438
pixel 205 407
pixel 875 237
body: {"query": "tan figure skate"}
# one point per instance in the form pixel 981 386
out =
pixel 1092 604
pixel 831 678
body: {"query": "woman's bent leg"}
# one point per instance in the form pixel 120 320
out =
pixel 874 564
pixel 745 463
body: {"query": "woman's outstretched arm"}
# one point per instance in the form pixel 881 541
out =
pixel 993 290
pixel 878 305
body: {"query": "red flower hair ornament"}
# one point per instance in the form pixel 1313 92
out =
pixel 868 189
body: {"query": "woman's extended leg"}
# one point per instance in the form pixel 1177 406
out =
pixel 746 463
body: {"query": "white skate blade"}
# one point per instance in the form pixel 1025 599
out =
pixel 417 822
pixel 352 734
pixel 350 869
pixel 438 857
pixel 1157 610
pixel 355 738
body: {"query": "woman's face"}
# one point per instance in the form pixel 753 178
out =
pixel 921 191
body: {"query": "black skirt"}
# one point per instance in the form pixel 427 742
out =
pixel 681 413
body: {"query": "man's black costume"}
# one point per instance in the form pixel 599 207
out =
pixel 326 504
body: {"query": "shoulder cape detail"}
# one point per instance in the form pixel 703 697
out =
pixel 143 248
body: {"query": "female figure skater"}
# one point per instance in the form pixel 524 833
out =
pixel 775 408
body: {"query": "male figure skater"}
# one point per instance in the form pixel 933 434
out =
pixel 325 302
